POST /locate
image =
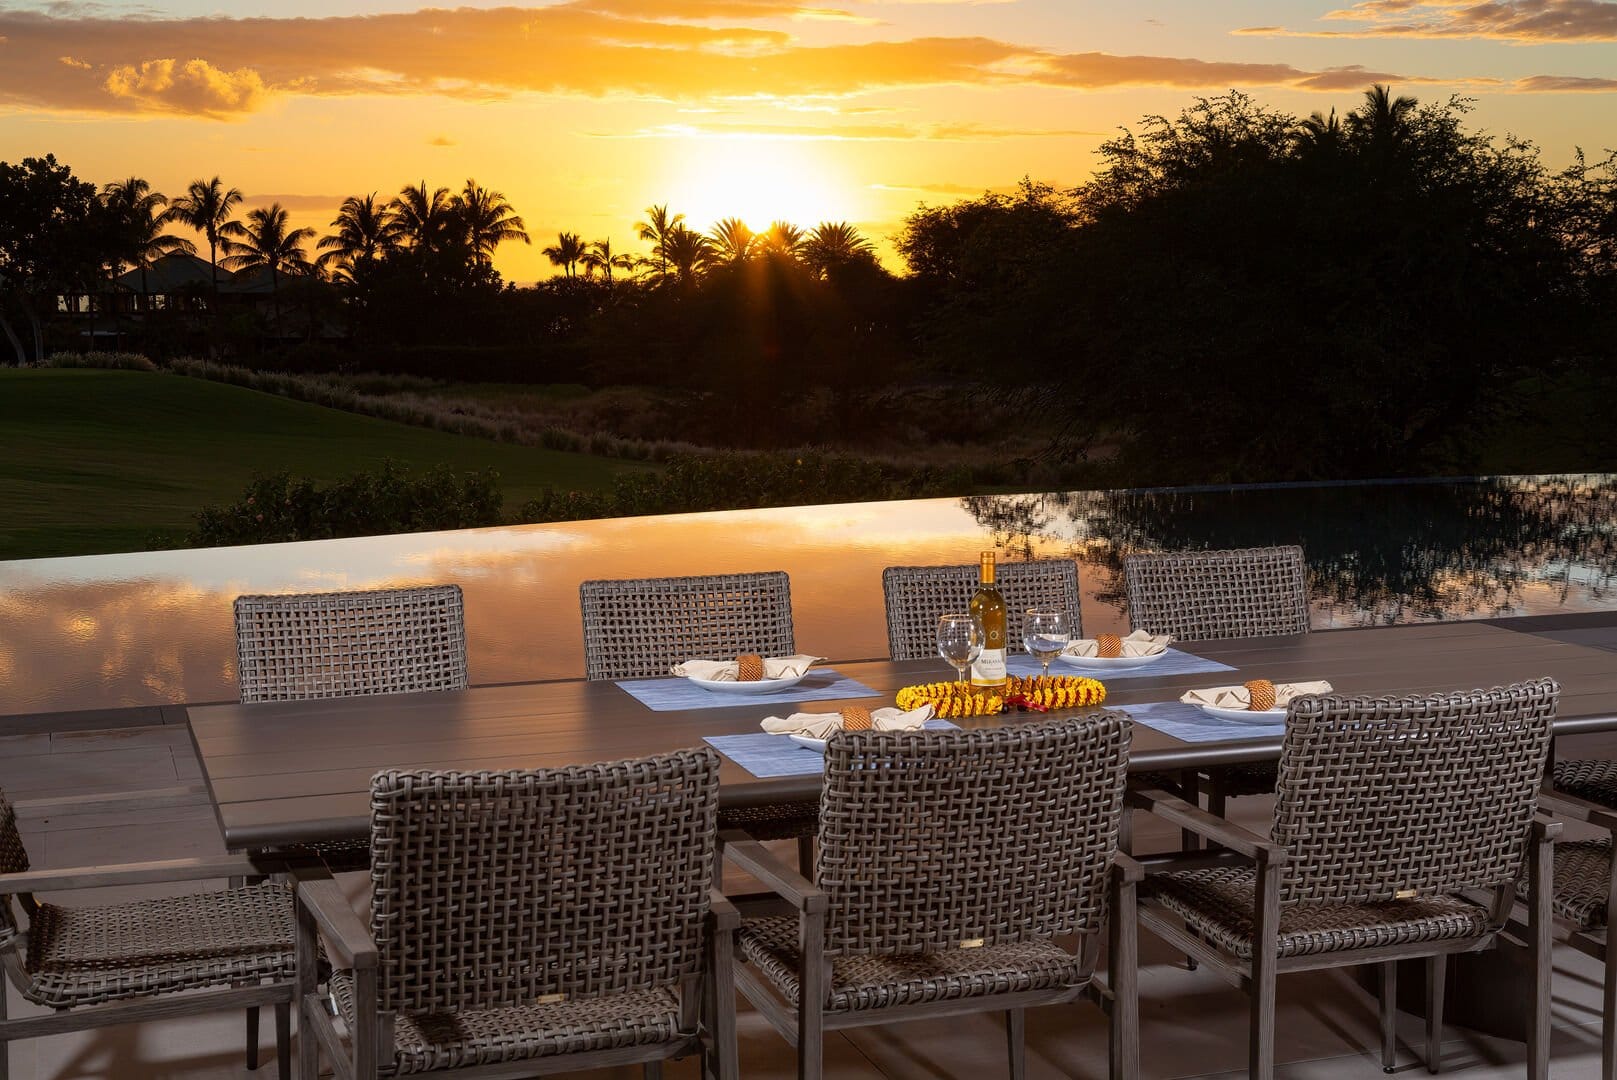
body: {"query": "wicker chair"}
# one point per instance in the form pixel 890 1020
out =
pixel 1583 887
pixel 948 862
pixel 527 923
pixel 1390 814
pixel 346 644
pixel 1204 595
pixel 916 595
pixel 145 959
pixel 638 628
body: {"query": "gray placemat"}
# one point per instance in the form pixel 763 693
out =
pixel 1189 724
pixel 765 755
pixel 673 694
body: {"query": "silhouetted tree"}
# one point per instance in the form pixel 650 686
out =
pixel 140 215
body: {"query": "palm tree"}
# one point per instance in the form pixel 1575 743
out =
pixel 656 230
pixel 835 243
pixel 1319 133
pixel 600 257
pixel 733 241
pixel 1383 119
pixel 208 206
pixel 366 230
pixel 427 220
pixel 267 243
pixel 783 238
pixel 687 251
pixel 141 214
pixel 489 221
pixel 567 252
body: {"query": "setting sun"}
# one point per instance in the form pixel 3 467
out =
pixel 758 181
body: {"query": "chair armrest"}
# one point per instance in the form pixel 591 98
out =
pixel 749 855
pixel 346 935
pixel 1126 869
pixel 1576 809
pixel 1208 826
pixel 1546 830
pixel 145 873
pixel 725 916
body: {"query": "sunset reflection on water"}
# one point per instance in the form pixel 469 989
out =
pixel 155 627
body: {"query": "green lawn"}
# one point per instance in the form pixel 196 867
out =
pixel 95 461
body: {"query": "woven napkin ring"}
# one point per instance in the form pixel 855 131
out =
pixel 749 667
pixel 1260 695
pixel 856 718
pixel 1108 646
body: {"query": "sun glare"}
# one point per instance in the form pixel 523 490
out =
pixel 758 181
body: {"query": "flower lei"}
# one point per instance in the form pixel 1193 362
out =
pixel 1036 693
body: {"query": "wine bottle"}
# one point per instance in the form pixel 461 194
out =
pixel 988 607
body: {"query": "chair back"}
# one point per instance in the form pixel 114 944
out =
pixel 1197 595
pixel 934 839
pixel 1380 796
pixel 916 595
pixel 13 860
pixel 492 889
pixel 298 646
pixel 640 627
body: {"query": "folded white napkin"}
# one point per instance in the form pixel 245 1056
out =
pixel 1236 697
pixel 1138 643
pixel 823 725
pixel 775 667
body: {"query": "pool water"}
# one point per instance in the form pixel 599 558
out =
pixel 155 627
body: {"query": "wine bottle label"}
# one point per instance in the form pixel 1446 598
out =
pixel 989 668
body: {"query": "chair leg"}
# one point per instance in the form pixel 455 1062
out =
pixel 1437 973
pixel 283 1040
pixel 1016 1042
pixel 1608 1028
pixel 1190 781
pixel 1389 1015
pixel 1265 961
pixel 252 1038
pixel 1540 949
pixel 805 856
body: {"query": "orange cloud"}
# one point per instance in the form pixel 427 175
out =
pixel 1505 20
pixel 674 50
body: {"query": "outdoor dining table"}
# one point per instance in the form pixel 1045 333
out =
pixel 289 773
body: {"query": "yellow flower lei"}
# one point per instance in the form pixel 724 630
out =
pixel 951 700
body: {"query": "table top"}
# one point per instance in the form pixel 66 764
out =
pixel 299 772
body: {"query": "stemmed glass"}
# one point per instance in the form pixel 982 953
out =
pixel 1045 634
pixel 960 641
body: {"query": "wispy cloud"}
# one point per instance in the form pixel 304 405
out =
pixel 690 51
pixel 1527 21
pixel 849 132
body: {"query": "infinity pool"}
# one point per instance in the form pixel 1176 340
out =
pixel 155 627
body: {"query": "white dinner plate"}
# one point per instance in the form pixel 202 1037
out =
pixel 1114 663
pixel 761 686
pixel 1246 716
pixel 812 744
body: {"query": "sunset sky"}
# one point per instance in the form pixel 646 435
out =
pixel 584 112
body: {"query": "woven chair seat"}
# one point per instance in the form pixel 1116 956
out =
pixel 1592 779
pixel 1218 904
pixel 783 821
pixel 1582 876
pixel 91 955
pixel 875 982
pixel 432 1042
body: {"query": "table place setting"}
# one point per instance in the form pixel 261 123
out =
pixel 1254 710
pixel 1108 656
pixel 707 684
pixel 794 745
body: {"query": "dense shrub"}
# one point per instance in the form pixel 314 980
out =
pixel 118 361
pixel 280 508
pixel 729 481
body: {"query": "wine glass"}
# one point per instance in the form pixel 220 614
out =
pixel 960 641
pixel 1045 634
